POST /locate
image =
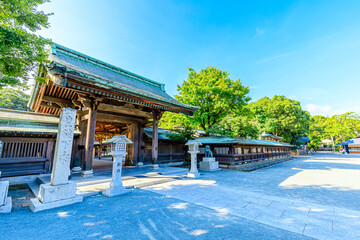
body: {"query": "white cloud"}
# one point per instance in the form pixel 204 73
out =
pixel 314 109
pixel 328 111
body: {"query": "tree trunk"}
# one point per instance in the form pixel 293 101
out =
pixel 332 143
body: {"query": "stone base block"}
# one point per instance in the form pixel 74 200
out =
pixel 49 193
pixel 4 188
pixel 209 166
pixel 7 207
pixel 36 205
pixel 113 192
pixel 87 173
pixel 76 170
pixel 154 166
pixel 193 175
pixel 207 159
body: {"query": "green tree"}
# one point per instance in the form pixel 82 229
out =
pixel 13 99
pixel 20 49
pixel 281 116
pixel 236 126
pixel 317 131
pixel 342 127
pixel 215 93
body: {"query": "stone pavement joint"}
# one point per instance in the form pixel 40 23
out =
pixel 309 218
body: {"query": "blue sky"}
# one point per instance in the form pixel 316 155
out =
pixel 305 50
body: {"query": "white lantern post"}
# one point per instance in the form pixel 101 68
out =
pixel 118 151
pixel 193 150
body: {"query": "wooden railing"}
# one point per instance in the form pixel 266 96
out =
pixel 24 156
pixel 244 158
pixel 23 149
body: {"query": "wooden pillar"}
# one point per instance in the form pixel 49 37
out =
pixel 50 153
pixel 141 143
pixel 155 144
pixel 171 152
pixel 154 149
pixel 81 145
pixel 136 144
pixel 89 142
pixel 100 148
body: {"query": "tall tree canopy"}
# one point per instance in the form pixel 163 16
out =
pixel 281 116
pixel 236 126
pixel 215 93
pixel 20 49
pixel 13 99
pixel 337 128
pixel 317 131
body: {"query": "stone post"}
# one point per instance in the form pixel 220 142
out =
pixel 193 150
pixel 118 151
pixel 5 201
pixel 60 191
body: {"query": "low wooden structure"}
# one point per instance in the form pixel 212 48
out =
pixel 270 137
pixel 228 150
pixel 28 142
pixel 171 148
pixel 109 101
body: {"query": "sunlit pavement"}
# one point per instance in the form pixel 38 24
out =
pixel 140 214
pixel 310 197
pixel 315 196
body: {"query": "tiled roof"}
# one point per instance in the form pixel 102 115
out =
pixel 163 134
pixel 228 140
pixel 265 134
pixel 354 141
pixel 109 76
pixel 14 121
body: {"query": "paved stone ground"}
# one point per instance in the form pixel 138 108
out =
pixel 132 177
pixel 138 215
pixel 316 196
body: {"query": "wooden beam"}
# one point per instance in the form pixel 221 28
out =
pixel 124 110
pixel 106 117
pixel 59 101
pixel 49 105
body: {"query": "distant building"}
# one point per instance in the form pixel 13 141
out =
pixel 270 137
pixel 229 150
pixel 351 146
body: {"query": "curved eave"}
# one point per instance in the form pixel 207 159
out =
pixel 110 85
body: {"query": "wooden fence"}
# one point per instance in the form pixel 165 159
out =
pixel 24 156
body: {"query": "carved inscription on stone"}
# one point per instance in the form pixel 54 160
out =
pixel 64 141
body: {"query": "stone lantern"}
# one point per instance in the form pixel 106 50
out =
pixel 193 150
pixel 118 151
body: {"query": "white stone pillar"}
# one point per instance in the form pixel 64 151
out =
pixel 116 185
pixel 194 173
pixel 5 201
pixel 60 191
pixel 193 150
pixel 118 151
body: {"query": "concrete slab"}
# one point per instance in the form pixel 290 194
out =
pixel 36 205
pixel 6 208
